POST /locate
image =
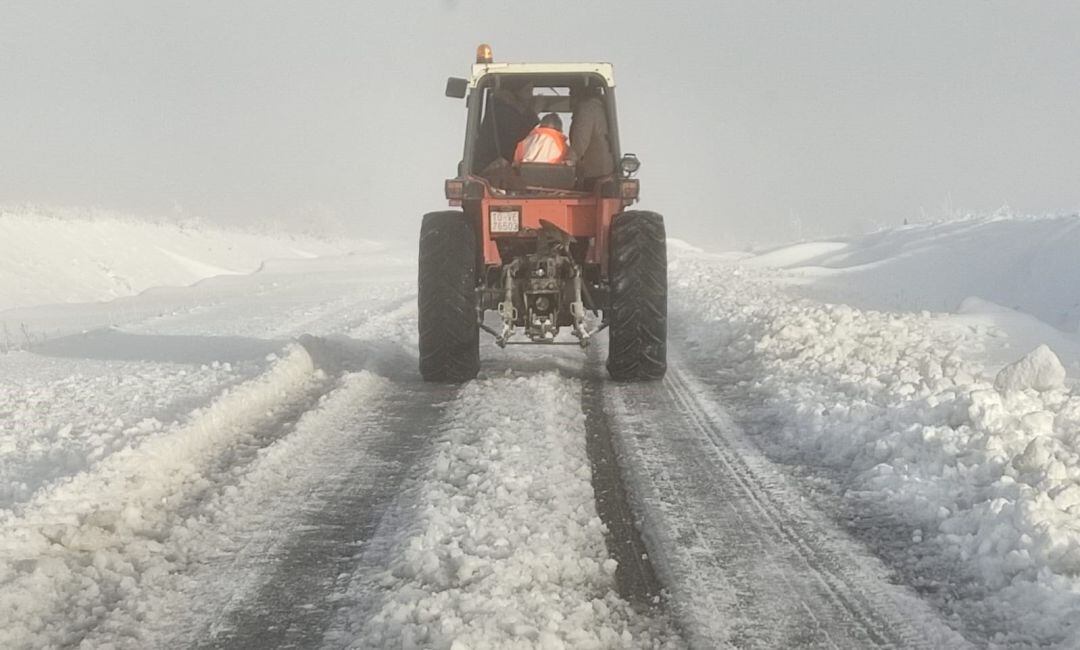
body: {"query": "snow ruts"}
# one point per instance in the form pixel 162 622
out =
pixel 747 564
pixel 80 546
pixel 635 577
pixel 506 549
pixel 315 506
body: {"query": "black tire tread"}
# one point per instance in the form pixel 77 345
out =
pixel 637 318
pixel 449 337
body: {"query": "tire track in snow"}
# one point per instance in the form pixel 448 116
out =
pixel 283 510
pixel 347 317
pixel 111 345
pixel 359 469
pixel 79 545
pixel 635 577
pixel 233 535
pixel 748 564
pixel 504 548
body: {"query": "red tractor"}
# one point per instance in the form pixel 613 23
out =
pixel 536 243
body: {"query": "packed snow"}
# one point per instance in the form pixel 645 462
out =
pixel 507 550
pixel 132 435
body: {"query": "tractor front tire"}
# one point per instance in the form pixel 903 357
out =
pixel 446 298
pixel 637 318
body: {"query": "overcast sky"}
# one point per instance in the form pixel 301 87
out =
pixel 755 121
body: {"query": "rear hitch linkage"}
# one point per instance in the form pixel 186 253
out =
pixel 509 313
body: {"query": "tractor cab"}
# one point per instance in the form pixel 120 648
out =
pixel 505 100
pixel 536 241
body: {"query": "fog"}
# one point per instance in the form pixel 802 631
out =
pixel 754 121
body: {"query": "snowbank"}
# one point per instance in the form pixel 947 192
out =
pixel 1023 263
pixel 50 256
pixel 906 418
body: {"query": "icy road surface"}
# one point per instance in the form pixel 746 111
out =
pixel 253 462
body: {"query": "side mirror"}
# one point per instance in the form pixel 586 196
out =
pixel 456 87
pixel 629 165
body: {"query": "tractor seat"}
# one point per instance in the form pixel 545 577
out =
pixel 555 176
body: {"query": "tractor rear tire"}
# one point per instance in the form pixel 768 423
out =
pixel 637 314
pixel 446 297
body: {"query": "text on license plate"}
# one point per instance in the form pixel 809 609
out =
pixel 505 221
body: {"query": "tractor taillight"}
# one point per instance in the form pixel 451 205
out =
pixel 455 189
pixel 628 189
pixel 458 189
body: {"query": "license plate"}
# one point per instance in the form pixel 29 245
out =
pixel 505 221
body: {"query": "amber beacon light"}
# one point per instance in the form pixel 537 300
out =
pixel 483 53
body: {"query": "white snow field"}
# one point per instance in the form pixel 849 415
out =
pixel 52 255
pixel 860 443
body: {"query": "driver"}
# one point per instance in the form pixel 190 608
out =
pixel 544 144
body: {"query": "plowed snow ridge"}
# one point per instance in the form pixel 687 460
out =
pixel 246 524
pixel 970 490
pixel 82 543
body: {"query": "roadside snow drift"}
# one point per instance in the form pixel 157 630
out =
pixel 50 256
pixel 1028 264
pixel 979 466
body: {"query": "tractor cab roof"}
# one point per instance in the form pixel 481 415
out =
pixel 544 74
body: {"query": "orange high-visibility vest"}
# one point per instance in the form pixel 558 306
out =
pixel 543 145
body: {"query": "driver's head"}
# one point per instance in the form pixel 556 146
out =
pixel 552 120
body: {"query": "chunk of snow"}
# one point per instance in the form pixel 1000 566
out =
pixel 1040 370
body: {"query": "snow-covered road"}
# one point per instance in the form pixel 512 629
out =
pixel 253 462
